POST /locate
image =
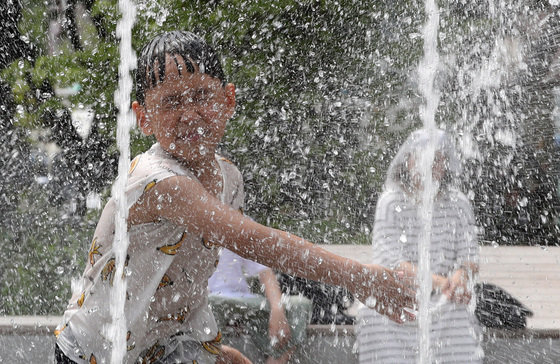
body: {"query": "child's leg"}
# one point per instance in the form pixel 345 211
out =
pixel 60 358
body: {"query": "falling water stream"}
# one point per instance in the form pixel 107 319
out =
pixel 125 120
pixel 426 74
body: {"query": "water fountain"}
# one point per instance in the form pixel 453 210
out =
pixel 427 71
pixel 334 99
pixel 125 121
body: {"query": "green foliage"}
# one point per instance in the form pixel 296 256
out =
pixel 292 62
pixel 45 252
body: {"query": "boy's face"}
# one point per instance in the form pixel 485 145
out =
pixel 187 112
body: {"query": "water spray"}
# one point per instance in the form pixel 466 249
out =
pixel 426 74
pixel 125 121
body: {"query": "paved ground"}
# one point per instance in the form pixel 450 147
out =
pixel 325 345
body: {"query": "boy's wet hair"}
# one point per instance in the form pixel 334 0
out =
pixel 187 45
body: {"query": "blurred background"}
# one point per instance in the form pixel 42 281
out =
pixel 327 91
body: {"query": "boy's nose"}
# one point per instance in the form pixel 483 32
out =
pixel 190 111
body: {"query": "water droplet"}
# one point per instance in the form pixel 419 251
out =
pixel 403 238
pixel 59 270
pixel 172 146
pixel 371 302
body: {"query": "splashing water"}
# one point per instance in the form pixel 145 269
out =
pixel 426 72
pixel 125 120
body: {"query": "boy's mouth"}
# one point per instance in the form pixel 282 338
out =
pixel 189 135
pixel 193 136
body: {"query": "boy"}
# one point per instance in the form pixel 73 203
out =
pixel 184 204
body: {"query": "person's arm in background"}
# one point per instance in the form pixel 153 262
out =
pixel 439 283
pixel 229 355
pixel 455 287
pixel 278 326
pixel 458 284
pixel 461 281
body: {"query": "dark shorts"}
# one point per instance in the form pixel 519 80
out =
pixel 60 358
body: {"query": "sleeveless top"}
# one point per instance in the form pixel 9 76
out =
pixel 167 270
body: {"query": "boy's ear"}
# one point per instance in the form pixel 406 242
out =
pixel 141 119
pixel 230 98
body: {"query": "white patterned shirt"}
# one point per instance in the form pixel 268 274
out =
pixel 167 270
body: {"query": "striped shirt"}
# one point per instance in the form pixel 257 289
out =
pixel 397 229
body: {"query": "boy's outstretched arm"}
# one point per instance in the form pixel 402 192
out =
pixel 186 202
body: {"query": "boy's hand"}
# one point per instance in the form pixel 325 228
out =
pixel 278 328
pixel 391 293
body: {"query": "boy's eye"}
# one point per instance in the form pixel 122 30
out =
pixel 201 96
pixel 172 103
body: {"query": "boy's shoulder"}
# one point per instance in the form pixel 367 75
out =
pixel 154 165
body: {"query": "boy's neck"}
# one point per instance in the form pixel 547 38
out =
pixel 208 173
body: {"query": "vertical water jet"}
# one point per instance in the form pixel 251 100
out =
pixel 125 121
pixel 427 70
